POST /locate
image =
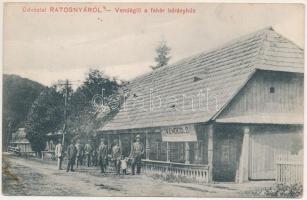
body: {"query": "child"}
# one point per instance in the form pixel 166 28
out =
pixel 124 165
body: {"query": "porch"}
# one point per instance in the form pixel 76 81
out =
pixel 219 152
pixel 187 155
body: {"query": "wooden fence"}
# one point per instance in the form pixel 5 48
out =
pixel 289 169
pixel 196 172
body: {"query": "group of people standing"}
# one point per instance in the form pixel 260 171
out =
pixel 76 153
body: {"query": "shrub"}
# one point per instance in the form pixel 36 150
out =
pixel 282 190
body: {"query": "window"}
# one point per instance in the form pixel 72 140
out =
pixel 177 152
pixel 197 150
pixel 157 147
pixel 196 78
pixel 272 90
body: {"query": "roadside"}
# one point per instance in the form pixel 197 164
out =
pixel 36 177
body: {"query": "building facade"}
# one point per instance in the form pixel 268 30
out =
pixel 19 140
pixel 223 115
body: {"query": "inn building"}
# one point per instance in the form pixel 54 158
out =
pixel 222 115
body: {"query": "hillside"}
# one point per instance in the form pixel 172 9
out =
pixel 18 96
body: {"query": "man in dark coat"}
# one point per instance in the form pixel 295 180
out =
pixel 71 156
pixel 116 156
pixel 102 155
pixel 137 151
pixel 95 156
pixel 88 151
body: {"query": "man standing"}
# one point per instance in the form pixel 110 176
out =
pixel 71 156
pixel 59 154
pixel 94 156
pixel 102 155
pixel 116 156
pixel 137 151
pixel 88 150
pixel 79 148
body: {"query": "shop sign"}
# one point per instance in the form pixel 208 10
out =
pixel 185 133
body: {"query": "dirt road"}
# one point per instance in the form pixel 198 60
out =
pixel 36 177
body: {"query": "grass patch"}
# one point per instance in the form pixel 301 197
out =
pixel 171 178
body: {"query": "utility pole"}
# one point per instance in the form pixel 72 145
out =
pixel 9 136
pixel 65 111
pixel 66 84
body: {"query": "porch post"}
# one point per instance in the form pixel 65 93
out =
pixel 187 153
pixel 147 145
pixel 210 151
pixel 131 140
pixel 196 152
pixel 120 143
pixel 242 175
pixel 109 144
pixel 167 152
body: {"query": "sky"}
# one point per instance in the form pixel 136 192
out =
pixel 47 47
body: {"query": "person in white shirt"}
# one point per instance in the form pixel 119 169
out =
pixel 59 154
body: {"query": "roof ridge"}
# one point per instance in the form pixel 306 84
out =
pixel 261 47
pixel 221 46
pixel 265 45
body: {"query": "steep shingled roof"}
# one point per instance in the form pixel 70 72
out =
pixel 193 90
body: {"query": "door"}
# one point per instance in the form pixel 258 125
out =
pixel 226 155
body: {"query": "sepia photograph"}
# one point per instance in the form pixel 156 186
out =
pixel 126 99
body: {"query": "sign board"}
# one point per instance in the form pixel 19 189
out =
pixel 184 133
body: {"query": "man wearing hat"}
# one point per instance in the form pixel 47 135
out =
pixel 116 156
pixel 71 156
pixel 59 154
pixel 88 151
pixel 79 155
pixel 137 151
pixel 102 155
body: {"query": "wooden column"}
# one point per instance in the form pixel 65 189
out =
pixel 120 143
pixel 201 146
pixel 147 145
pixel 242 172
pixel 167 152
pixel 210 152
pixel 196 152
pixel 187 153
pixel 131 141
pixel 109 144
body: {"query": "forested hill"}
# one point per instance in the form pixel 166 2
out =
pixel 18 96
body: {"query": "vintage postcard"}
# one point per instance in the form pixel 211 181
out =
pixel 153 99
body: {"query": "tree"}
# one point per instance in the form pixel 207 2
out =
pixel 162 57
pixel 46 115
pixel 82 118
pixel 47 111
pixel 95 83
